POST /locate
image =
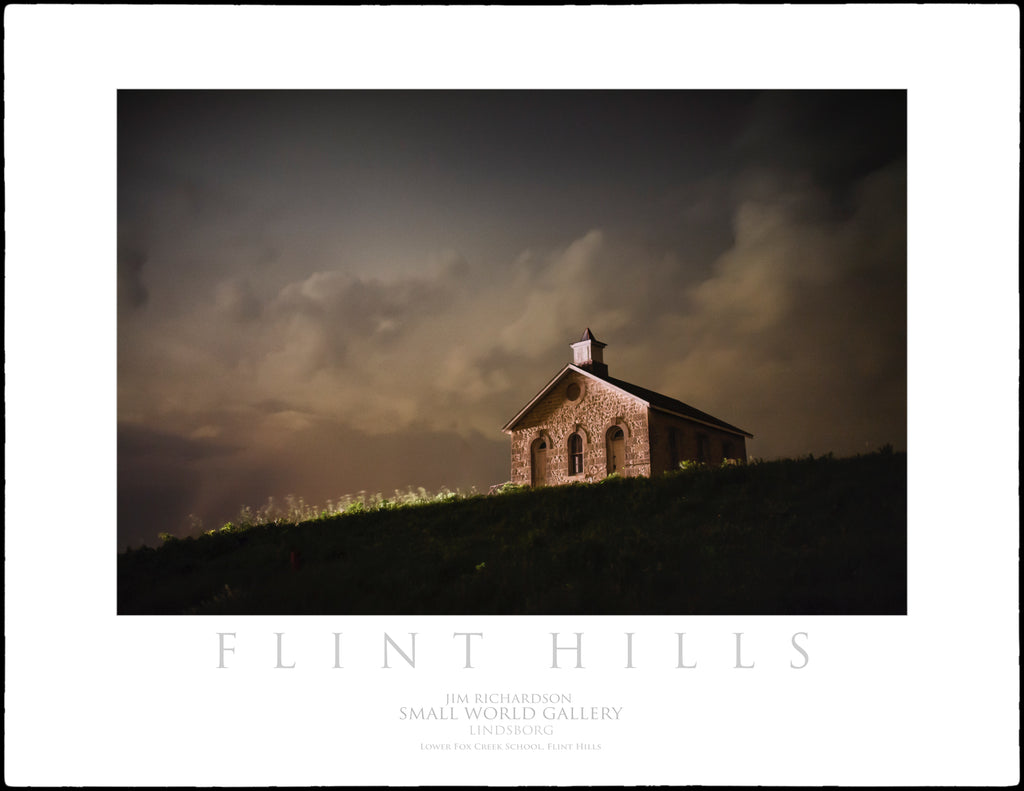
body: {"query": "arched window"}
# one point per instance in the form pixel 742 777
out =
pixel 575 454
pixel 538 462
pixel 615 450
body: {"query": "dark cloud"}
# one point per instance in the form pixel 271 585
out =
pixel 159 476
pixel 138 443
pixel 153 499
pixel 834 137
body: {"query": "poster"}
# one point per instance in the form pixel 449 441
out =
pixel 91 698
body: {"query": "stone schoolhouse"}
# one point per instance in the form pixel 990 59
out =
pixel 584 425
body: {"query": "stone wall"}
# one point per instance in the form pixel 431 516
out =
pixel 687 439
pixel 597 408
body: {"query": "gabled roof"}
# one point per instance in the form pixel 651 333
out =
pixel 649 397
pixel 672 405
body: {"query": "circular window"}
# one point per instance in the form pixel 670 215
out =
pixel 573 391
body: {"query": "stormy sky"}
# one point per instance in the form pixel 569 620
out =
pixel 322 293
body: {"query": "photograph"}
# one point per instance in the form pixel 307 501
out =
pixel 500 396
pixel 339 313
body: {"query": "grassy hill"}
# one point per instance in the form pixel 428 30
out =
pixel 806 536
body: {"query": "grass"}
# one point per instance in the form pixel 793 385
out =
pixel 801 536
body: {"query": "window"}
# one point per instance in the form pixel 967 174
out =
pixel 575 454
pixel 573 391
pixel 673 447
pixel 702 449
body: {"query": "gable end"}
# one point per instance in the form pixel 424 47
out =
pixel 509 427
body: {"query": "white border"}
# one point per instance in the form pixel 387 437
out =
pixel 93 699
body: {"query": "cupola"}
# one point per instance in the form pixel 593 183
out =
pixel 588 354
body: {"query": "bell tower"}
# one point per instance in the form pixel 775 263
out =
pixel 588 354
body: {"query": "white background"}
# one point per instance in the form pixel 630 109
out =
pixel 931 698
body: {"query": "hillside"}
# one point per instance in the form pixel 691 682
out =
pixel 806 536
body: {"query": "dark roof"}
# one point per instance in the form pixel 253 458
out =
pixel 660 401
pixel 589 336
pixel 656 400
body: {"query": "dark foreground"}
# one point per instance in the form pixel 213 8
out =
pixel 794 537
